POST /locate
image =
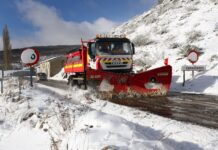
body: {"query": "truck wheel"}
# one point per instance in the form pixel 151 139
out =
pixel 83 87
pixel 72 82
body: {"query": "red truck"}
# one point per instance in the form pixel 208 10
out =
pixel 109 62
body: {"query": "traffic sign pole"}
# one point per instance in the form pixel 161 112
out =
pixel 183 84
pixel 31 76
pixel 192 57
pixel 193 74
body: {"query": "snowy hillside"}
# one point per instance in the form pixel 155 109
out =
pixel 168 30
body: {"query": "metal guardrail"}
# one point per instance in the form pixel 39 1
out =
pixel 20 74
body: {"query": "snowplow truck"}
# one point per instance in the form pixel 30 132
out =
pixel 109 62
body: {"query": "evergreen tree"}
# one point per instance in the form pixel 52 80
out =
pixel 6 49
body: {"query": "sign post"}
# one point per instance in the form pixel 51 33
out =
pixel 31 76
pixel 183 83
pixel 30 57
pixel 192 58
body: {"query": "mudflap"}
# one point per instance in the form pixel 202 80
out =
pixel 155 82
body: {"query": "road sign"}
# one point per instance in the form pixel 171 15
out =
pixel 193 56
pixel 22 73
pixel 30 56
pixel 193 68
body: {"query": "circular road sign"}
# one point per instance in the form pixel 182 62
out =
pixel 30 56
pixel 193 56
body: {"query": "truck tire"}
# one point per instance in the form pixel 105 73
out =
pixel 83 87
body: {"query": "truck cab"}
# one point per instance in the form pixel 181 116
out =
pixel 111 54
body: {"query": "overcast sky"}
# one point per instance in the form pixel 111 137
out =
pixel 55 22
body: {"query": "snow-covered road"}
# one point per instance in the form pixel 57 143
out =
pixel 45 117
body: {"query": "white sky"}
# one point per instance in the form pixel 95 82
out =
pixel 54 30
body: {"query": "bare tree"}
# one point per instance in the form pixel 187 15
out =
pixel 6 48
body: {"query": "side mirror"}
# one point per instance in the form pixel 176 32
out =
pixel 133 48
pixel 91 50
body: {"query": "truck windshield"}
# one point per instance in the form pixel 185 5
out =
pixel 113 48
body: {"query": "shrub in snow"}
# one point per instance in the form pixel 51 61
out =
pixel 214 1
pixel 130 31
pixel 162 31
pixel 193 36
pixel 191 8
pixel 186 49
pixel 196 25
pixel 143 63
pixel 170 38
pixel 144 59
pixel 174 45
pixel 214 58
pixel 142 40
pixel 216 26
pixel 183 17
pixel 150 20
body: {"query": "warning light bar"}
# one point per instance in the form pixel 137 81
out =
pixel 110 36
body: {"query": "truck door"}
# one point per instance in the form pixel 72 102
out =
pixel 91 51
pixel 92 54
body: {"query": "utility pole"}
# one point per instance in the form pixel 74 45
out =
pixel 6 49
pixel 2 80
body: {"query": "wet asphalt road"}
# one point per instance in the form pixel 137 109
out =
pixel 55 83
pixel 194 108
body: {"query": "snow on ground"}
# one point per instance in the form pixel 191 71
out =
pixel 60 75
pixel 44 118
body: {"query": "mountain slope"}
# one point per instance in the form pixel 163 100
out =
pixel 168 31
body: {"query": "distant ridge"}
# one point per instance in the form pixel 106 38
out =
pixel 45 51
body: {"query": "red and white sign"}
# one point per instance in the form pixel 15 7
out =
pixel 30 56
pixel 193 56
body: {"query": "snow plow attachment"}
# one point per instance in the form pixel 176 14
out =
pixel 155 82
